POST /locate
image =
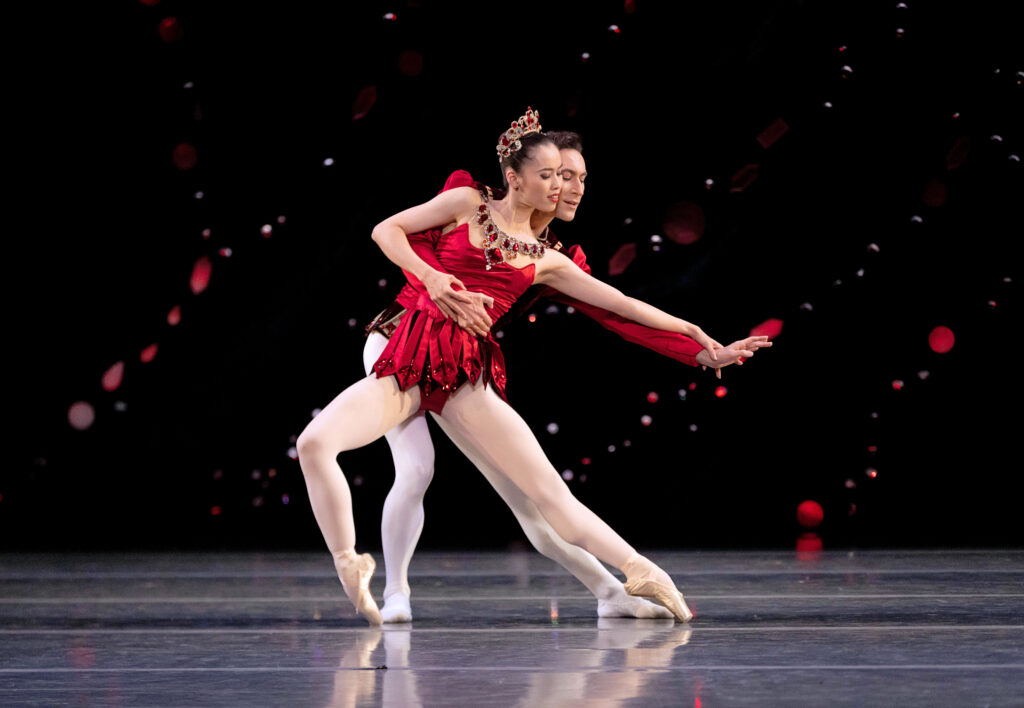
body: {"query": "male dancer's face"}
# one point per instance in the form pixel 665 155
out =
pixel 573 173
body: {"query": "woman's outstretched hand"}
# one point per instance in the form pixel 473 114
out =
pixel 735 353
pixel 467 309
pixel 711 347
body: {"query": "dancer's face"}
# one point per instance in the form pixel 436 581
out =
pixel 573 172
pixel 539 182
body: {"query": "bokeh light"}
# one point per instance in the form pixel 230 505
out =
pixel 184 156
pixel 200 279
pixel 652 397
pixel 770 328
pixel 809 514
pixel 112 377
pixel 81 415
pixel 941 339
pixel 170 29
pixel 684 222
pixel 646 420
pixel 618 263
pixel 148 354
pixel 174 316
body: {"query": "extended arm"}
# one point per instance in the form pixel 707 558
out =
pixel 565 276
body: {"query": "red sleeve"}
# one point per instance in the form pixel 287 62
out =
pixel 671 344
pixel 425 242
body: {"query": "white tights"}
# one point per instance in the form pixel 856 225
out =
pixel 413 455
pixel 499 439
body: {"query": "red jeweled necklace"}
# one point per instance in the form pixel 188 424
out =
pixel 497 241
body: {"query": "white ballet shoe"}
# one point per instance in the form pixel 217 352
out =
pixel 396 609
pixel 641 581
pixel 355 572
pixel 624 605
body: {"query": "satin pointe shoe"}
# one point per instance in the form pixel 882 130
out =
pixel 355 572
pixel 640 582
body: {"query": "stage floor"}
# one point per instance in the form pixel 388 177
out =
pixel 512 629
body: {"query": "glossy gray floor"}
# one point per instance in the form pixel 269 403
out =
pixel 859 629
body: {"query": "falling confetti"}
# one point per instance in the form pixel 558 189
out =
pixel 770 135
pixel 567 475
pixel 552 428
pixel 148 354
pixel 897 385
pixel 721 391
pixel 174 316
pixel 267 230
pixel 646 420
pixel 410 63
pixel 652 397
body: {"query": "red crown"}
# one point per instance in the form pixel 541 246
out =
pixel 509 143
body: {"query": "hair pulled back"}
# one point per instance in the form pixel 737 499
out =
pixel 518 158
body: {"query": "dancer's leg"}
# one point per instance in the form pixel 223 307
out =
pixel 357 416
pixel 612 600
pixel 402 521
pixel 503 441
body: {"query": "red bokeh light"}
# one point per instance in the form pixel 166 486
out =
pixel 809 542
pixel 772 133
pixel 618 263
pixel 941 339
pixel 770 328
pixel 170 29
pixel 721 391
pixel 364 102
pixel 652 397
pixel 148 354
pixel 174 316
pixel 184 156
pixel 215 511
pixel 81 415
pixel 897 385
pixel 112 377
pixel 744 177
pixel 585 461
pixel 200 275
pixel 809 514
pixel 410 63
pixel 684 222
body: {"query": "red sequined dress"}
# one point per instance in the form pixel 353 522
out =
pixel 427 349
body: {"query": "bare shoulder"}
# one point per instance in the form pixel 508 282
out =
pixel 465 201
pixel 550 265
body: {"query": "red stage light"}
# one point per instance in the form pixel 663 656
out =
pixel 809 514
pixel 112 377
pixel 941 340
pixel 200 275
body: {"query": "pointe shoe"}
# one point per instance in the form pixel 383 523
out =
pixel 355 572
pixel 640 583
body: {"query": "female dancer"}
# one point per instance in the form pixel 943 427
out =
pixel 430 362
pixel 413 452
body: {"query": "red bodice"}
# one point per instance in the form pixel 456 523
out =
pixel 431 351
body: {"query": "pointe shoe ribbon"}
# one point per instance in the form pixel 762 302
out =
pixel 639 583
pixel 355 572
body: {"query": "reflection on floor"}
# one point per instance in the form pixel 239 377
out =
pixel 513 629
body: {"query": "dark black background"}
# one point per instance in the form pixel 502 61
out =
pixel 106 231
